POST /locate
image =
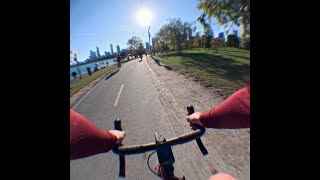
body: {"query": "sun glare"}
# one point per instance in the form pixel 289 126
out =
pixel 144 17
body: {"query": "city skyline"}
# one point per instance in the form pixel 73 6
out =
pixel 91 26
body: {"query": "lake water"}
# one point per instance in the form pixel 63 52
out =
pixel 83 68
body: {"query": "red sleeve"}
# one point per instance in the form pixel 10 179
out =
pixel 86 139
pixel 232 113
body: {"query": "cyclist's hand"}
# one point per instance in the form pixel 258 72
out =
pixel 118 134
pixel 194 118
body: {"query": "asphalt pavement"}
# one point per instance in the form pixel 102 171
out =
pixel 131 96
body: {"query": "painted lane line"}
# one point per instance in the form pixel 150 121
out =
pixel 118 97
pixel 149 67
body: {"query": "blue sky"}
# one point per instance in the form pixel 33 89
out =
pixel 104 22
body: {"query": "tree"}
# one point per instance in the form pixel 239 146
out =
pixel 141 47
pixel 162 41
pixel 134 44
pixel 197 40
pixel 245 43
pixel 123 54
pixel 207 37
pixel 217 43
pixel 236 12
pixel 175 35
pixel 233 41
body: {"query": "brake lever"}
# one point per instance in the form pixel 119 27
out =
pixel 198 140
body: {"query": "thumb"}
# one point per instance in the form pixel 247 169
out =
pixel 188 118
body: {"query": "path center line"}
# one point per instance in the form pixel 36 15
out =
pixel 118 97
pixel 149 67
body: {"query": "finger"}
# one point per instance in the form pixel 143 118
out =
pixel 189 119
pixel 119 141
pixel 192 126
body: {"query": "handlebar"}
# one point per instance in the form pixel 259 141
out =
pixel 137 149
pixel 197 132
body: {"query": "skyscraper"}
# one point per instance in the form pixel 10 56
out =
pixel 118 49
pixel 111 47
pixel 98 52
pixel 147 46
pixel 91 55
pixel 154 40
pixel 235 32
pixel 94 55
pixel 221 35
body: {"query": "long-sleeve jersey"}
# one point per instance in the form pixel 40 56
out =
pixel 234 112
pixel 86 139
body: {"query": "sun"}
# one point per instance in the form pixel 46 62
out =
pixel 144 17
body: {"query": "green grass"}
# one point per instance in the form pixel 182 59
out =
pixel 78 85
pixel 227 70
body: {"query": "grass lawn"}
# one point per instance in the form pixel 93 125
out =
pixel 78 85
pixel 227 70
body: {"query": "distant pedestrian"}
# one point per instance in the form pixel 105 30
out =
pixel 107 63
pixel 96 67
pixel 74 74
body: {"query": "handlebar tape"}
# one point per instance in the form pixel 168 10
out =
pixel 122 172
pixel 190 109
pixel 198 140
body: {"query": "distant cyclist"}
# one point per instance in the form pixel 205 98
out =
pixel 140 55
pixel 119 60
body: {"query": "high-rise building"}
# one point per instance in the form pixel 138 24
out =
pixel 154 40
pixel 98 52
pixel 235 32
pixel 111 47
pixel 105 53
pixel 221 35
pixel 91 55
pixel 118 49
pixel 147 46
pixel 94 55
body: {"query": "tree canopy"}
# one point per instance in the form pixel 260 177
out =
pixel 135 44
pixel 233 41
pixel 175 35
pixel 235 12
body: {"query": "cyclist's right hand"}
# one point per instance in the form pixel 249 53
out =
pixel 195 118
pixel 118 134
